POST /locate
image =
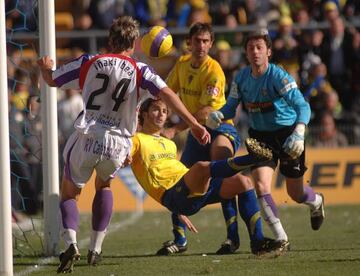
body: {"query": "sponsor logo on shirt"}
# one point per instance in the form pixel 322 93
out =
pixel 260 107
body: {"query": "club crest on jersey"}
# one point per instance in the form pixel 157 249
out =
pixel 212 90
pixel 190 78
pixel 264 92
pixel 285 81
pixel 162 144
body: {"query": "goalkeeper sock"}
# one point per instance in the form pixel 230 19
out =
pixel 250 212
pixel 229 209
pixel 231 166
pixel 311 198
pixel 271 216
pixel 179 230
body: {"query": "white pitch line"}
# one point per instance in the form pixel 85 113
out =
pixel 82 243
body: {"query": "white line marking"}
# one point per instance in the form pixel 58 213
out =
pixel 82 243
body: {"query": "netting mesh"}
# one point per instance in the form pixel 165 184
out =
pixel 25 126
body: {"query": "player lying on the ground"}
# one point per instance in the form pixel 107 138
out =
pixel 185 191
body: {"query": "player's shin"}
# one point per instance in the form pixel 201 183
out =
pixel 70 221
pixel 311 198
pixel 250 213
pixel 229 209
pixel 231 166
pixel 179 230
pixel 271 216
pixel 101 215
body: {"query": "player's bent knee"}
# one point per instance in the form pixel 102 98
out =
pixel 201 166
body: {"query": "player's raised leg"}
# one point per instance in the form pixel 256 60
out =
pixel 257 153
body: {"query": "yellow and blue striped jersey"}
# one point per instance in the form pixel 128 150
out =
pixel 155 164
pixel 198 87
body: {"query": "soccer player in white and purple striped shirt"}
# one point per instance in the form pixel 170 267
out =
pixel 113 88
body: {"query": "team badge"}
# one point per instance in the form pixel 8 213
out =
pixel 212 90
pixel 264 92
pixel 190 78
pixel 285 81
pixel 162 144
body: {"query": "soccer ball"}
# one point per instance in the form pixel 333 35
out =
pixel 156 42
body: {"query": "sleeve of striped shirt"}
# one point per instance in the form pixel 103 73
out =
pixel 67 75
pixel 150 80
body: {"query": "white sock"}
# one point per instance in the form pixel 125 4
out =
pixel 272 221
pixel 69 236
pixel 96 240
pixel 316 203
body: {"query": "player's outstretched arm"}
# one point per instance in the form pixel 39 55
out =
pixel 46 64
pixel 174 102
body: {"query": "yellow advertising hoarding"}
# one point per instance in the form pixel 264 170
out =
pixel 333 172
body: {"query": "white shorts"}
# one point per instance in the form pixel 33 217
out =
pixel 85 152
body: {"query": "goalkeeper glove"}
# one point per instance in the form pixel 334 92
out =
pixel 214 119
pixel 294 144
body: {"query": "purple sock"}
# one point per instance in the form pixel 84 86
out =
pixel 69 214
pixel 309 195
pixel 269 200
pixel 102 209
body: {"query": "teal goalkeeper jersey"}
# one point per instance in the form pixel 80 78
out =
pixel 272 100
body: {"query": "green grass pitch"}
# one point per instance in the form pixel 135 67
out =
pixel 131 243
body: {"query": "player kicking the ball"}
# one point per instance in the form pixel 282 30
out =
pixel 113 87
pixel 184 191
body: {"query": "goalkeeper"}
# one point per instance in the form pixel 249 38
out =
pixel 278 115
pixel 185 191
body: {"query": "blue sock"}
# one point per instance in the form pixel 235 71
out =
pixel 231 166
pixel 179 230
pixel 250 212
pixel 229 209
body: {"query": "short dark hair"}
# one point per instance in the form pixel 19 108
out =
pixel 259 34
pixel 199 27
pixel 123 33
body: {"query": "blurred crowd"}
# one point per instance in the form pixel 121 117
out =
pixel 316 41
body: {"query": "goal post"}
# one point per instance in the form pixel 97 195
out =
pixel 6 255
pixel 50 150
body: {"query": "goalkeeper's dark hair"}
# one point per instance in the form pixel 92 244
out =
pixel 259 34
